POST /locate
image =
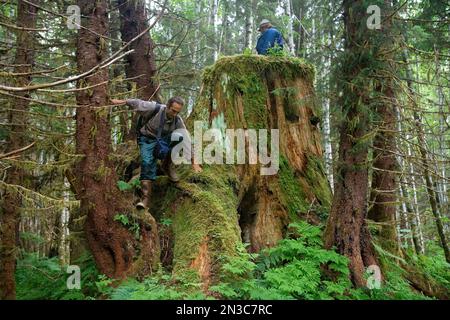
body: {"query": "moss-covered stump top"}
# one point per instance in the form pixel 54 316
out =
pixel 263 92
pixel 243 64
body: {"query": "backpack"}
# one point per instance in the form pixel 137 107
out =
pixel 162 147
pixel 141 120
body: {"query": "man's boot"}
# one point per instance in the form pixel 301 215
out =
pixel 146 186
pixel 169 169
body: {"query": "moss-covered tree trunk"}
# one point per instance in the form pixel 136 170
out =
pixel 212 212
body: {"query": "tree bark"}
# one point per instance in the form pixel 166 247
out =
pixel 116 252
pixel 213 23
pixel 141 66
pixel 290 27
pixel 346 228
pixel 384 184
pixel 250 8
pixel 11 203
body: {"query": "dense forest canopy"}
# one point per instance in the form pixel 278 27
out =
pixel 354 111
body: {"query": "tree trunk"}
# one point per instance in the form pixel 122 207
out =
pixel 116 252
pixel 64 232
pixel 140 67
pixel 11 203
pixel 441 166
pixel 300 48
pixel 225 205
pixel 213 24
pixel 411 217
pixel 250 8
pixel 346 228
pixel 384 184
pixel 290 27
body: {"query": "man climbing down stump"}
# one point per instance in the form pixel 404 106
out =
pixel 269 38
pixel 156 138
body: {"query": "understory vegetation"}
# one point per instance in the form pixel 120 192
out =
pixel 297 268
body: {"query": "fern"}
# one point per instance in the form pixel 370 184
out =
pixel 44 278
pixel 291 270
pixel 160 286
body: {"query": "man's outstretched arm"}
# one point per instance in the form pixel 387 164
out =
pixel 137 104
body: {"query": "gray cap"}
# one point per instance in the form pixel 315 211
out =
pixel 263 22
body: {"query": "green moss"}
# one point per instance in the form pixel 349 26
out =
pixel 254 100
pixel 209 211
pixel 244 76
pixel 317 178
pixel 102 172
pixel 290 68
pixel 293 196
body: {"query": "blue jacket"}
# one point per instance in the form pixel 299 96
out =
pixel 268 40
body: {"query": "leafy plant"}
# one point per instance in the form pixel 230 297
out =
pixel 40 278
pixel 166 222
pixel 160 286
pixel 277 51
pixel 131 225
pixel 247 52
pixel 294 269
pixel 124 186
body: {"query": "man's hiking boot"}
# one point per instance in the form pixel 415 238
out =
pixel 146 186
pixel 169 169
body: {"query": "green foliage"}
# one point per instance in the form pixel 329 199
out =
pixel 32 237
pixel 277 51
pixel 161 286
pixel 434 265
pixel 124 186
pixel 45 279
pixel 132 224
pixel 247 52
pixel 291 270
pixel 394 286
pixel 103 284
pixel 123 219
pixel 166 222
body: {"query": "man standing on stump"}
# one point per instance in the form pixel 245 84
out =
pixel 156 132
pixel 269 38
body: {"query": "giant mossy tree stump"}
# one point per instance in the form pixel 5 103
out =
pixel 215 210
